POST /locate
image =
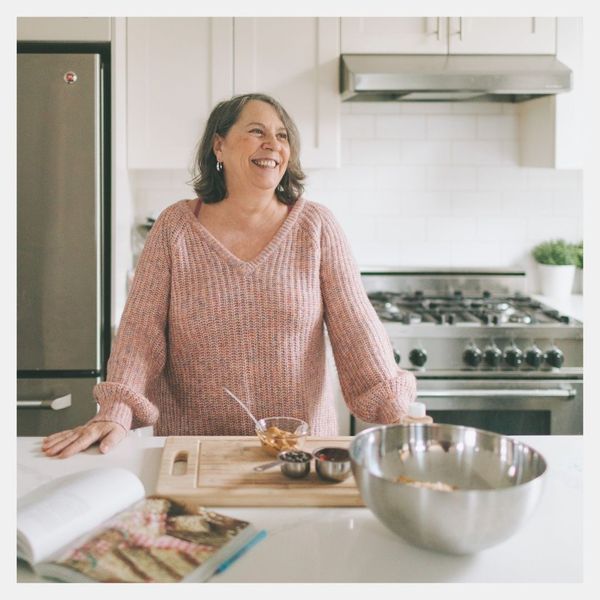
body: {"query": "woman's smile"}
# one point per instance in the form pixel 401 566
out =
pixel 256 150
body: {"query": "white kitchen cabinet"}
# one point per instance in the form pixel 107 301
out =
pixel 448 35
pixel 385 35
pixel 551 128
pixel 295 60
pixel 63 29
pixel 177 70
pixel 501 35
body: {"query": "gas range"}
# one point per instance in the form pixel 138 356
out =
pixel 466 321
pixel 484 309
pixel 485 353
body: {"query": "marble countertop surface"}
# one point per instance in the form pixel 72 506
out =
pixel 326 545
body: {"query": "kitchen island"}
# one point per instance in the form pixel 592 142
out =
pixel 349 544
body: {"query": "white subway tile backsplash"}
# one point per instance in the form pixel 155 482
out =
pixel 497 127
pixel 426 184
pixel 357 126
pixel 451 178
pixel 346 152
pixel 451 229
pixel 451 127
pixel 567 203
pixel 401 127
pixel 424 152
pixel 399 178
pixel 526 203
pixel 487 204
pixel 496 228
pixel 373 108
pixel 501 178
pixel 360 231
pixel 470 253
pixel 424 253
pixel 484 152
pixel 425 203
pixel 403 227
pixel 373 152
pixel 425 108
pixel 552 179
pixel 383 203
pixel 540 228
pixel 347 177
pixel 477 108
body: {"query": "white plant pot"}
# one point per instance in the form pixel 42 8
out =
pixel 578 281
pixel 556 280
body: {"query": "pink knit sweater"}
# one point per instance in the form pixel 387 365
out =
pixel 198 318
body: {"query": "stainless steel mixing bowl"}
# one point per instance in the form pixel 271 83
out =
pixel 497 483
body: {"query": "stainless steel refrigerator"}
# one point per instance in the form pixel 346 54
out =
pixel 63 317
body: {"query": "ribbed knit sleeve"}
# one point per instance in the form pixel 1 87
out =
pixel 375 389
pixel 139 350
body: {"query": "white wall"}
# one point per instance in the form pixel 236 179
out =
pixel 428 185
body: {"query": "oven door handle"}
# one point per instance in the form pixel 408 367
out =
pixel 499 393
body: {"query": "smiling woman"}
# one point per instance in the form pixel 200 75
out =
pixel 234 289
pixel 241 126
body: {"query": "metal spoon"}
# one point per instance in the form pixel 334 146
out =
pixel 244 407
pixel 266 466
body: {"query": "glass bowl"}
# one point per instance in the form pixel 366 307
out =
pixel 278 434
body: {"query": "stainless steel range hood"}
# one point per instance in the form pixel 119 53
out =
pixel 450 78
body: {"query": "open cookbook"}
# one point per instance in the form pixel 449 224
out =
pixel 98 526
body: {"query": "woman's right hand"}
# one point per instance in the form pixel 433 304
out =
pixel 66 443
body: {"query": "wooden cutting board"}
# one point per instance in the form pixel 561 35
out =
pixel 219 471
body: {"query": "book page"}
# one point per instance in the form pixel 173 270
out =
pixel 155 540
pixel 55 514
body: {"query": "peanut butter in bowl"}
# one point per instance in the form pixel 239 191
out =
pixel 278 434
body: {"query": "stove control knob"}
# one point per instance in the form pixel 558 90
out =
pixel 492 356
pixel 397 356
pixel 555 358
pixel 472 355
pixel 513 356
pixel 534 357
pixel 418 357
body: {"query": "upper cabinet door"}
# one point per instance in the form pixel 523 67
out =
pixel 382 35
pixel 295 60
pixel 177 70
pixel 502 35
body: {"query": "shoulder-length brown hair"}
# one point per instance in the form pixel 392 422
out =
pixel 209 183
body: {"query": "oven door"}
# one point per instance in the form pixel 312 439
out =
pixel 509 407
pixel 45 406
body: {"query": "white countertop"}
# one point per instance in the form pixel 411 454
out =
pixel 349 544
pixel 569 305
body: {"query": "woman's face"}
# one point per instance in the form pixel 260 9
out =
pixel 255 152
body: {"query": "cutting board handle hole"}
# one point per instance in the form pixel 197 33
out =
pixel 180 463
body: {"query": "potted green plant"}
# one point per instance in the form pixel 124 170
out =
pixel 556 266
pixel 578 281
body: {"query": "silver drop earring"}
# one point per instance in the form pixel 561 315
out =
pixel 219 166
pixel 280 188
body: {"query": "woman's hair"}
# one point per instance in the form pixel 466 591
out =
pixel 209 183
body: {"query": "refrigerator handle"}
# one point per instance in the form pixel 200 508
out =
pixel 50 403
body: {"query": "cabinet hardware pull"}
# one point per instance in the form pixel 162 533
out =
pixel 48 403
pixel 460 28
pixel 437 31
pixel 533 25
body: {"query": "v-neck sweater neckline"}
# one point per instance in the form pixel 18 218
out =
pixel 229 257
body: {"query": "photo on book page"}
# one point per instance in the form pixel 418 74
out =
pixel 157 540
